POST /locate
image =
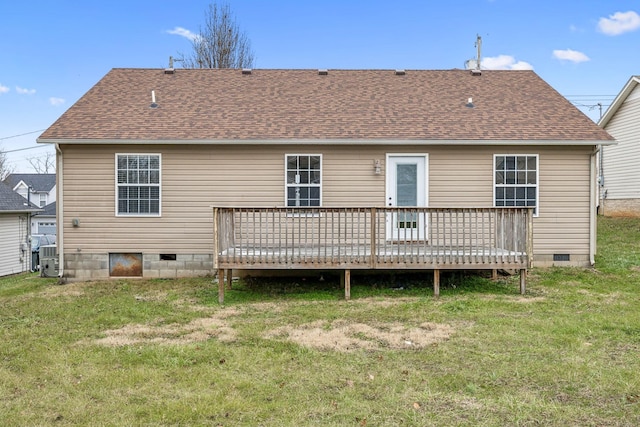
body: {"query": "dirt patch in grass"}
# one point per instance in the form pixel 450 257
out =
pixel 341 335
pixel 195 331
pixel 68 290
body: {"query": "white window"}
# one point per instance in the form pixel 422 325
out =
pixel 303 179
pixel 43 200
pixel 138 184
pixel 516 181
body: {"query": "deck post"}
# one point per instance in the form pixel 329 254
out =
pixel 494 274
pixel 436 283
pixel 216 249
pixel 220 286
pixel 523 281
pixel 374 236
pixel 229 278
pixel 345 280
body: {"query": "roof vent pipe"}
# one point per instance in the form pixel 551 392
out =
pixel 477 70
pixel 153 100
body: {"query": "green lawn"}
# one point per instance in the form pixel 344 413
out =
pixel 293 352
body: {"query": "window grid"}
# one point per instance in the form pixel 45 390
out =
pixel 138 182
pixel 516 181
pixel 303 180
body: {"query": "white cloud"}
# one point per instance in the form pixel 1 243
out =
pixel 183 32
pixel 56 101
pixel 570 55
pixel 619 22
pixel 504 62
pixel 23 91
pixel 3 89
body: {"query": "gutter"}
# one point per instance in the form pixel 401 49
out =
pixel 60 211
pixel 329 141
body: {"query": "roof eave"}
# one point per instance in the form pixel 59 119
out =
pixel 20 211
pixel 295 141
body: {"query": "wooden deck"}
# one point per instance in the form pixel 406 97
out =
pixel 372 238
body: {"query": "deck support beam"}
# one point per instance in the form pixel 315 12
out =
pixel 229 274
pixel 523 281
pixel 345 280
pixel 220 286
pixel 436 283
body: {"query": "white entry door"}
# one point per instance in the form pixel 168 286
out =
pixel 406 186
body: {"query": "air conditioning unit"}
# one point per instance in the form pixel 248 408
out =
pixel 49 266
pixel 48 251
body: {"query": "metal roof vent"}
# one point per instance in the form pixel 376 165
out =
pixel 323 72
pixel 469 103
pixel 246 71
pixel 476 72
pixel 400 72
pixel 170 69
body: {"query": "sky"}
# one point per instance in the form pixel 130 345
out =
pixel 53 51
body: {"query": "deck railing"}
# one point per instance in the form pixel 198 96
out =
pixel 369 238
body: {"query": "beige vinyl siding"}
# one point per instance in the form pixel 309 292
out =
pixel 462 176
pixel 563 224
pixel 196 177
pixel 13 232
pixel 620 162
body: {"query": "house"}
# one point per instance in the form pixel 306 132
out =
pixel 619 175
pixel 15 250
pixel 178 172
pixel 40 189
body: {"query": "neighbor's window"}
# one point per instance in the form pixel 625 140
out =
pixel 516 181
pixel 138 184
pixel 303 179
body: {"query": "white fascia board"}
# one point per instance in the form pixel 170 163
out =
pixel 398 142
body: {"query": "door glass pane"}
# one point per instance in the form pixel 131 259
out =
pixel 407 185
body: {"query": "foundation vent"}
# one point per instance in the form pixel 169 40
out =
pixel 561 257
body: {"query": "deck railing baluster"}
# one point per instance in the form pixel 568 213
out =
pixel 387 237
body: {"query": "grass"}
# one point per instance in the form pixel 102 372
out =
pixel 163 352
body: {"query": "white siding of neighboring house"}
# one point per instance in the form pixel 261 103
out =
pixel 620 162
pixel 13 232
pixel 40 225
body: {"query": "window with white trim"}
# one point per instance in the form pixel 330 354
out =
pixel 138 184
pixel 43 200
pixel 303 179
pixel 516 181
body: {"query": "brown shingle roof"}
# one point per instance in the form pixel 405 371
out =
pixel 225 104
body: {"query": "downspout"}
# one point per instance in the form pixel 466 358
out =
pixel 60 211
pixel 593 200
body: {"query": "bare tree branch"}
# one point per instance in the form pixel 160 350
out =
pixel 5 169
pixel 221 43
pixel 44 163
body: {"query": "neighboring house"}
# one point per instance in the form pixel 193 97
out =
pixel 619 174
pixel 42 194
pixel 145 154
pixel 44 222
pixel 15 250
